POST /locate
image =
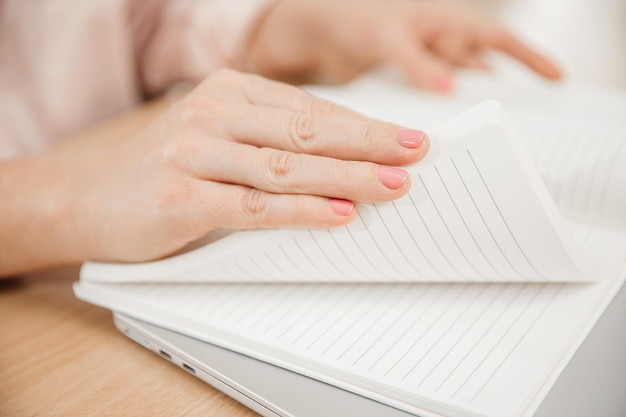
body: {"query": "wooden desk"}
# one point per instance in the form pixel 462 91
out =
pixel 62 357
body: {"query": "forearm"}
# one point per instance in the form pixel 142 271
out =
pixel 38 219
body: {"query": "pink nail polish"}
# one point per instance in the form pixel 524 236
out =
pixel 443 83
pixel 341 207
pixel 392 178
pixel 411 138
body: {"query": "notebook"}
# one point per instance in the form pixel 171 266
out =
pixel 580 390
pixel 465 298
pixel 477 211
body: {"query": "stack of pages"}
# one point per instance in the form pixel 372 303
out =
pixel 466 297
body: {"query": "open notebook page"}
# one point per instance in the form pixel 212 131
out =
pixel 575 134
pixel 477 211
pixel 489 350
pixel 583 164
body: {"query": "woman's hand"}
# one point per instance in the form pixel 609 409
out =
pixel 333 41
pixel 238 152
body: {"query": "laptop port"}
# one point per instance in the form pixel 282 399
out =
pixel 189 368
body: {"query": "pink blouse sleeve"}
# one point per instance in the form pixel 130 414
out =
pixel 194 37
pixel 65 65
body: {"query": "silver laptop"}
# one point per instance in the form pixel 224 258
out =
pixel 593 383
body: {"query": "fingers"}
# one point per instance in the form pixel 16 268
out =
pixel 426 51
pixel 510 45
pixel 423 68
pixel 288 167
pixel 339 68
pixel 347 139
pixel 241 207
pixel 460 51
pixel 256 90
pixel 283 172
pixel 474 61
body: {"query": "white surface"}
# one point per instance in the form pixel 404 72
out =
pixel 587 38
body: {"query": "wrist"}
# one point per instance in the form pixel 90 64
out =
pixel 40 221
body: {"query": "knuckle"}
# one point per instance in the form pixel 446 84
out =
pixel 302 129
pixel 345 172
pixel 198 108
pixel 255 205
pixel 280 166
pixel 374 133
pixel 179 149
pixel 370 132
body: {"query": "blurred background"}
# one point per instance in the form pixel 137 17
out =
pixel 586 37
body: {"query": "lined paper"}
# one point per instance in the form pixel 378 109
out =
pixel 457 349
pixel 575 134
pixel 477 211
pixel 583 165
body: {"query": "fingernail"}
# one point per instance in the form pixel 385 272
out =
pixel 443 83
pixel 341 207
pixel 411 138
pixel 392 178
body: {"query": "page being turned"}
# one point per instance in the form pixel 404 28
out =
pixel 477 211
pixel 583 164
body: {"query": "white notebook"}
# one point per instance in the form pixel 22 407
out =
pixel 477 211
pixel 465 298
